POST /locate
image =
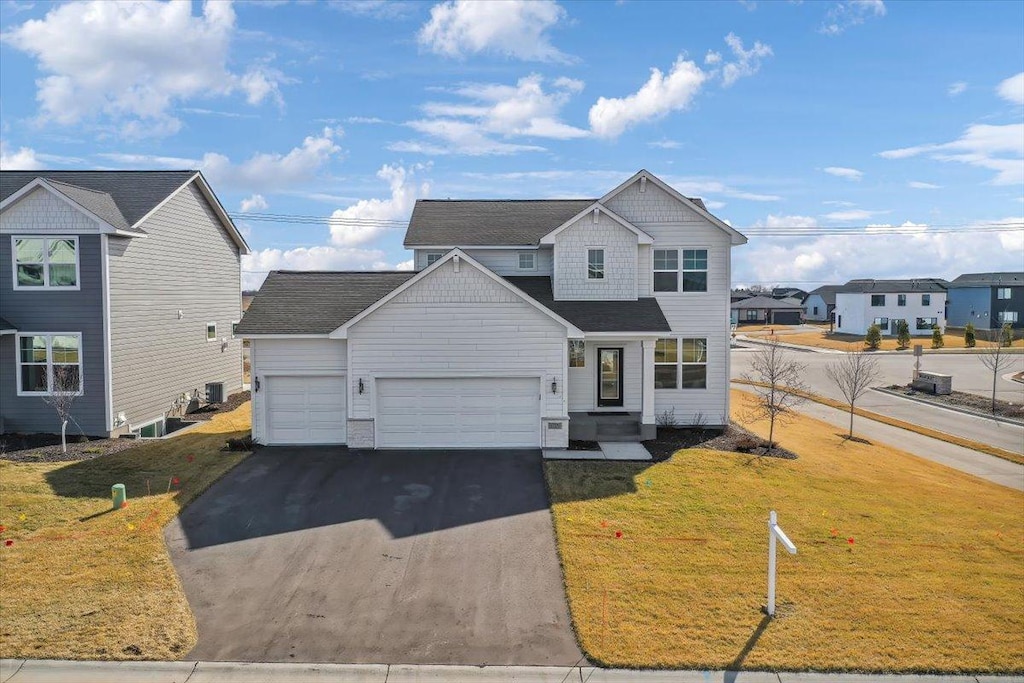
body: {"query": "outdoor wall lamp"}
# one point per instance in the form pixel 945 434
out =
pixel 554 386
pixel 360 385
pixel 256 385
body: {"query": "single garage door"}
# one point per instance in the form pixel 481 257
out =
pixel 306 410
pixel 786 317
pixel 477 412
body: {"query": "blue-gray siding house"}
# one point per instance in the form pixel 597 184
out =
pixel 123 284
pixel 987 299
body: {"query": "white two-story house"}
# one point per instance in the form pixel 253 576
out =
pixel 522 325
pixel 863 303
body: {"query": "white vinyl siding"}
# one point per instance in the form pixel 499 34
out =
pixel 583 381
pixel 43 213
pixel 856 311
pixel 501 261
pixel 272 358
pixel 458 412
pixel 573 246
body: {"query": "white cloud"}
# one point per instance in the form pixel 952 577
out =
pixel 21 159
pixel 255 266
pixel 254 203
pixel 915 251
pixel 712 58
pixel 844 15
pixel 851 215
pixel 364 119
pixel 665 144
pixel 367 219
pixel 713 205
pixel 490 111
pixel 918 185
pixel 132 62
pixel 843 172
pixel 889 228
pixel 405 265
pixel 748 62
pixel 1012 89
pixel 995 147
pixel 376 9
pixel 702 187
pixel 660 95
pixel 957 88
pixel 773 221
pixel 515 29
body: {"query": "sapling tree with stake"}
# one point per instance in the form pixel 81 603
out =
pixel 997 360
pixel 62 397
pixel 777 384
pixel 853 375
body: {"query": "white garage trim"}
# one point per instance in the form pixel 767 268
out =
pixel 460 411
pixel 302 429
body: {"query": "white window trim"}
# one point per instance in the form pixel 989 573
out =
pixel 683 270
pixel 604 265
pixel 47 287
pixel 214 338
pixel 999 293
pixel 519 262
pixel 49 362
pixel 674 363
pixel 926 299
pixel 683 362
pixel 234 324
pixel 1005 317
pixel 677 271
pixel 437 257
pixel 569 357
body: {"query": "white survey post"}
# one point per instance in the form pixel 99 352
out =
pixel 775 532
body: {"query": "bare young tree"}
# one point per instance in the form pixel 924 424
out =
pixel 853 374
pixel 62 397
pixel 996 359
pixel 777 383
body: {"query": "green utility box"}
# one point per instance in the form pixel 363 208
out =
pixel 118 494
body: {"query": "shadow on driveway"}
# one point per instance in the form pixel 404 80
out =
pixel 320 554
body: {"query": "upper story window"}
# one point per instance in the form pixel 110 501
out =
pixel 926 299
pixel 666 270
pixel 878 299
pixel 595 264
pixel 695 270
pixel 901 299
pixel 49 363
pixel 527 260
pixel 1004 293
pixel 45 262
pixel 433 256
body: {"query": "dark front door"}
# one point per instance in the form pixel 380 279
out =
pixel 609 377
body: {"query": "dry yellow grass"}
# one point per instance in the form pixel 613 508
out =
pixel 82 582
pixel 852 342
pixel 934 580
pixel 893 422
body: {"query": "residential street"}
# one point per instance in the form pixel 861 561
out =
pixel 968 375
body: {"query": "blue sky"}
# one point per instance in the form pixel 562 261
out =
pixel 809 115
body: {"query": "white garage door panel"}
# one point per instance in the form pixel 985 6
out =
pixel 306 410
pixel 462 412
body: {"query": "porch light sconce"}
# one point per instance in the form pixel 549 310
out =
pixel 554 386
pixel 360 385
pixel 256 385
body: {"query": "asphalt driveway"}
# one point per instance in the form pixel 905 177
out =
pixel 425 557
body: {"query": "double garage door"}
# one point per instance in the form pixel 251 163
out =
pixel 463 412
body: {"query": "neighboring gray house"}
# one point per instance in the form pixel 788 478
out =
pixel 523 323
pixel 131 279
pixel 819 304
pixel 766 310
pixel 986 299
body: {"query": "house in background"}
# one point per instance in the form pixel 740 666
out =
pixel 788 293
pixel 862 303
pixel 128 282
pixel 987 299
pixel 524 324
pixel 819 304
pixel 766 310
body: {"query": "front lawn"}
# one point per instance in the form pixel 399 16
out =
pixel 80 581
pixel 903 565
pixel 852 342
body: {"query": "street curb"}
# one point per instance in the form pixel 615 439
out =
pixel 33 670
pixel 955 409
pixel 787 345
pixel 1013 351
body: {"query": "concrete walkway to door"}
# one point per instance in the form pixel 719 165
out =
pixel 403 557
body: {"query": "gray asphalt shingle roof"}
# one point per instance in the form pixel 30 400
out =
pixel 99 203
pixel 641 315
pixel 315 302
pixel 132 193
pixel 4 325
pixel 988 279
pixel 826 292
pixel 766 302
pixel 926 284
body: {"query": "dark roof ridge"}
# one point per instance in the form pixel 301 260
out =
pixel 492 199
pixel 78 187
pixel 344 272
pixel 41 171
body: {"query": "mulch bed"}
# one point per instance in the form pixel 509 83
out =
pixel 208 411
pixel 46 447
pixel 733 438
pixel 959 399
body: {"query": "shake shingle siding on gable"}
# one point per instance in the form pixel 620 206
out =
pixel 41 213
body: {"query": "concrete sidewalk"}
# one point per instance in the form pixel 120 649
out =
pixel 979 464
pixel 57 671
